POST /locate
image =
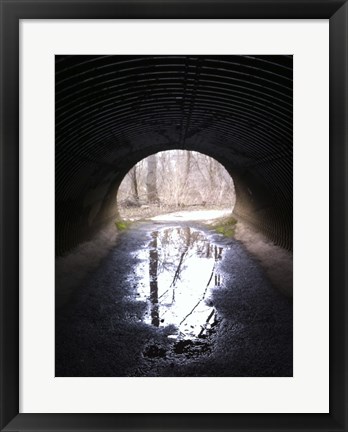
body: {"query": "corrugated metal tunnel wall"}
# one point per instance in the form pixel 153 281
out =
pixel 112 111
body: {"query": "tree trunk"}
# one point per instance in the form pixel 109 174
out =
pixel 134 184
pixel 151 179
pixel 184 175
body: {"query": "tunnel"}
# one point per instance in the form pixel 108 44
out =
pixel 113 111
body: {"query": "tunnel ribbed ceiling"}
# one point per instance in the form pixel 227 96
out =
pixel 112 111
pixel 113 101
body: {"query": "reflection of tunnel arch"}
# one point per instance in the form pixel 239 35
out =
pixel 112 111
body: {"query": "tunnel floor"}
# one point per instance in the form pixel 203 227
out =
pixel 175 299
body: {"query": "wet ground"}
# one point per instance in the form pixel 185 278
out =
pixel 175 299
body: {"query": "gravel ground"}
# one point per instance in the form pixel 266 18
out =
pixel 101 331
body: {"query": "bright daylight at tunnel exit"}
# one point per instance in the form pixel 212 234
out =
pixel 175 180
pixel 174 216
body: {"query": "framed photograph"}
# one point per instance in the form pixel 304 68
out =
pixel 173 215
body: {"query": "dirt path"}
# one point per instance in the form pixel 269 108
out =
pixel 116 326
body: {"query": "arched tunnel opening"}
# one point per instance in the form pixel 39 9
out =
pixel 112 112
pixel 183 183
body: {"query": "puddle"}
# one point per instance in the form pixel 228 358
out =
pixel 177 271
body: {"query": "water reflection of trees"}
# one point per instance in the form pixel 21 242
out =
pixel 169 251
pixel 153 269
pixel 173 248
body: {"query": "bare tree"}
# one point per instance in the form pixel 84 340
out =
pixel 184 189
pixel 134 184
pixel 151 179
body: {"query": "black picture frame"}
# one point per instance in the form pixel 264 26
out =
pixel 12 11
